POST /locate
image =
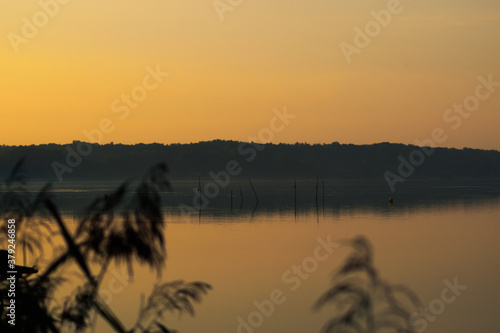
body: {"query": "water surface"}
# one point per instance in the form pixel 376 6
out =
pixel 434 232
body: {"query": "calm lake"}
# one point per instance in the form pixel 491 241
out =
pixel 433 233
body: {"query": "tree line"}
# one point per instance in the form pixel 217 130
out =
pixel 85 161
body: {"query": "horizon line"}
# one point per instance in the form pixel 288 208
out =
pixel 246 142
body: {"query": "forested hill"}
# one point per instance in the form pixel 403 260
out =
pixel 81 160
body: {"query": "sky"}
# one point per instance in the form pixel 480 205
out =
pixel 85 70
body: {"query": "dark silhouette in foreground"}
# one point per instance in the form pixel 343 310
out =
pixel 364 303
pixel 5 267
pixel 126 227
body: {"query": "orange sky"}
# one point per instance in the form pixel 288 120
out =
pixel 227 75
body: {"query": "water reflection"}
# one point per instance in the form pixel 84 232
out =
pixel 443 230
pixel 337 198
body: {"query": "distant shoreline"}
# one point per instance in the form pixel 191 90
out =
pixel 84 161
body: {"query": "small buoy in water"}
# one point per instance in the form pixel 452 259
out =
pixel 391 201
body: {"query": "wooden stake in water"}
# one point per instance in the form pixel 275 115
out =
pixel 295 196
pixel 323 197
pixel 253 189
pixel 317 186
pixel 199 191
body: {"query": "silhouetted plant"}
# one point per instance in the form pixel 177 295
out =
pixel 32 227
pixel 126 226
pixel 362 301
pixel 176 296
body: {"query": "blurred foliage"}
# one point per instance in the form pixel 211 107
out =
pixel 125 227
pixel 364 303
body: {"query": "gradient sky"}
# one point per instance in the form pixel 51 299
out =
pixel 226 77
